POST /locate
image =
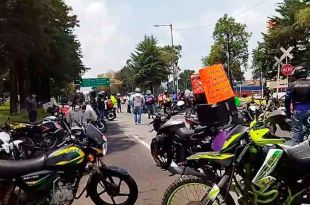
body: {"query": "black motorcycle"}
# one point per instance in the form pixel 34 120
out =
pixel 110 114
pixel 54 177
pixel 175 142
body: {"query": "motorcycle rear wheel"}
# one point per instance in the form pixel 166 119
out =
pixel 111 116
pixel 116 181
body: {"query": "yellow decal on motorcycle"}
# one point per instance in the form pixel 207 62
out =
pixel 71 155
pixel 229 141
pixel 210 155
pixel 258 137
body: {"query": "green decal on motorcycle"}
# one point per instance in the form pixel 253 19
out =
pixel 258 137
pixel 264 181
pixel 214 192
pixel 226 145
pixel 210 155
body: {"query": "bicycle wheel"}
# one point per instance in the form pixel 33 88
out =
pixel 191 190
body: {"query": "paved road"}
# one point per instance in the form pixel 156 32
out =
pixel 128 148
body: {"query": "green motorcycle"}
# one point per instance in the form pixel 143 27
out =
pixel 254 164
pixel 54 177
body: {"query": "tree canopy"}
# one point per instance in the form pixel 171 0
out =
pixel 230 46
pixel 291 28
pixel 149 65
pixel 37 44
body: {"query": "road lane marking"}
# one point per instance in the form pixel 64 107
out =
pixel 136 138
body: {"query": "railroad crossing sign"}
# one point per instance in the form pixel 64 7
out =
pixel 286 54
pixel 94 82
pixel 287 69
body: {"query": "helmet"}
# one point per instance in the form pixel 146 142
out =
pixel 148 92
pixel 300 72
pixel 138 90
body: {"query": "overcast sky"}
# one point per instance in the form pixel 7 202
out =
pixel 110 29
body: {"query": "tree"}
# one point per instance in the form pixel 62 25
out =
pixel 292 28
pixel 38 46
pixel 184 79
pixel 149 64
pixel 230 47
pixel 126 75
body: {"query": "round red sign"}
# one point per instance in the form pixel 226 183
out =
pixel 287 69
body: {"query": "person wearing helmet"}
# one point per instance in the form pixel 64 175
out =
pixel 149 102
pixel 137 101
pixel 298 95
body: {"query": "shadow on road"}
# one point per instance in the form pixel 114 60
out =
pixel 116 140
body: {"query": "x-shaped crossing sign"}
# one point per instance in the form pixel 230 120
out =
pixel 286 53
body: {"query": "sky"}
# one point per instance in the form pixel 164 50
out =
pixel 110 29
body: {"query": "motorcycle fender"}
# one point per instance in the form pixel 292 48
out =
pixel 221 158
pixel 17 142
pixel 110 169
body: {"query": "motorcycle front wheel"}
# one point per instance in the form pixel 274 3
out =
pixel 191 190
pixel 160 154
pixel 113 188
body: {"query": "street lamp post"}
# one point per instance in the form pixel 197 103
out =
pixel 174 72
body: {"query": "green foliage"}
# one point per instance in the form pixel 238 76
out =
pixel 184 79
pixel 37 43
pixel 292 29
pixel 230 46
pixel 149 65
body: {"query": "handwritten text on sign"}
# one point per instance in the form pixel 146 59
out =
pixel 216 84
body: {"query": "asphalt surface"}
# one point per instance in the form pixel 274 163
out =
pixel 128 148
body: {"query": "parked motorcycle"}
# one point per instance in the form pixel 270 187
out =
pixel 54 177
pixel 110 114
pixel 10 149
pixel 255 164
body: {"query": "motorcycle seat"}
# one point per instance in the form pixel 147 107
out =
pixel 184 133
pixel 300 154
pixel 10 169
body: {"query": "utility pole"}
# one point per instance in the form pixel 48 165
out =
pixel 174 68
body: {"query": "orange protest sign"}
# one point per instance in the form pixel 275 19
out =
pixel 216 84
pixel 197 84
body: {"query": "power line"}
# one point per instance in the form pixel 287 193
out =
pixel 211 24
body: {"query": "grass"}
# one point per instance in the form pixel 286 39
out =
pixel 22 117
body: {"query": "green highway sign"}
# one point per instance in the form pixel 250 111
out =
pixel 94 82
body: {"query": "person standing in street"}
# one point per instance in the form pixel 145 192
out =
pixel 298 94
pixel 166 101
pixel 31 106
pixel 149 102
pixel 119 102
pixel 137 101
pixel 101 104
pixel 128 103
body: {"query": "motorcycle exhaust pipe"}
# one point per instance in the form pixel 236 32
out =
pixel 182 170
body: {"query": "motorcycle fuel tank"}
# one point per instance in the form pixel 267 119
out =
pixel 171 126
pixel 66 156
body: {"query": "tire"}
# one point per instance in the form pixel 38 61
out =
pixel 182 182
pixel 102 126
pixel 111 116
pixel 96 178
pixel 158 149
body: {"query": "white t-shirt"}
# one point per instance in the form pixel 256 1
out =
pixel 137 99
pixel 77 115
